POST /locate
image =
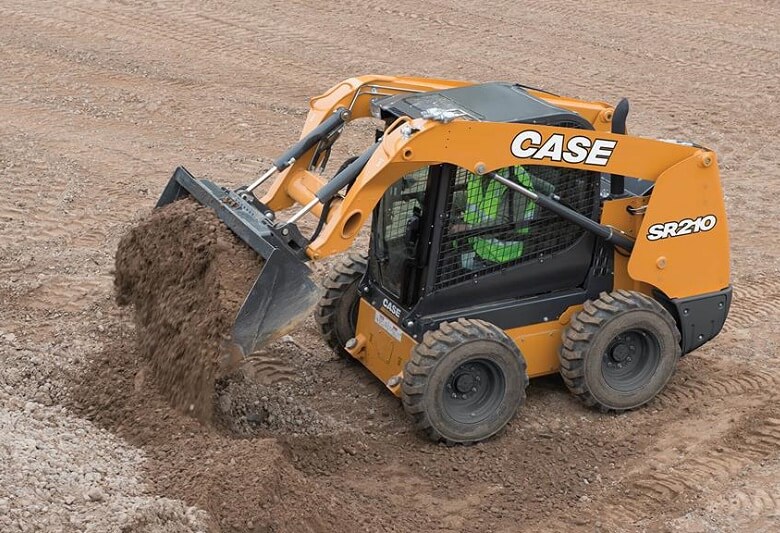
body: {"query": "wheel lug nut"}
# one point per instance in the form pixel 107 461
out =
pixel 473 389
pixel 454 395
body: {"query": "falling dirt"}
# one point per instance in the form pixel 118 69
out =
pixel 185 274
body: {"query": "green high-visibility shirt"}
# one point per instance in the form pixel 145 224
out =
pixel 488 204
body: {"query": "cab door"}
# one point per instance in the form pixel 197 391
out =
pixel 400 236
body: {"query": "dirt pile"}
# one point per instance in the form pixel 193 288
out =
pixel 246 407
pixel 245 485
pixel 186 275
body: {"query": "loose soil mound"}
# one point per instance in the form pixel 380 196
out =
pixel 246 485
pixel 186 274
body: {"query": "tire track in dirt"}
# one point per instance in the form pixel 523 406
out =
pixel 69 294
pixel 151 100
pixel 663 97
pixel 267 369
pixel 654 494
pixel 755 299
pixel 692 389
pixel 754 502
pixel 196 29
pixel 46 199
pixel 755 12
pixel 149 83
pixel 620 21
pixel 92 72
pixel 134 33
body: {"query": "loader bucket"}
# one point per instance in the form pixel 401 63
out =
pixel 284 292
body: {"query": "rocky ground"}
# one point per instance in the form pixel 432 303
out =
pixel 99 101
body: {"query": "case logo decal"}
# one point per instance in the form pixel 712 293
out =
pixel 686 226
pixel 577 149
pixel 390 306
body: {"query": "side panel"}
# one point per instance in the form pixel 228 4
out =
pixel 539 343
pixel 384 349
pixel 683 244
pixel 382 346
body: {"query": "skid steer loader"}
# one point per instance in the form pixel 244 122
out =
pixel 514 233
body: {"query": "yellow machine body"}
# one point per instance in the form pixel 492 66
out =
pixel 686 186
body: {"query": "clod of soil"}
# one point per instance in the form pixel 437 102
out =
pixel 186 274
pixel 248 405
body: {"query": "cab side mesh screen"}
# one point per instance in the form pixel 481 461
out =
pixel 403 200
pixel 488 227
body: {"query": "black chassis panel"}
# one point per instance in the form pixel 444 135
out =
pixel 700 318
pixel 510 313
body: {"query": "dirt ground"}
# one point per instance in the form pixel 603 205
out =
pixel 100 101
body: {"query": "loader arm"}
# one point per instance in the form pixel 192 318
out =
pixel 299 182
pixel 686 188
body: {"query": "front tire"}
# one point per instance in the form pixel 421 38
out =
pixel 464 382
pixel 619 351
pixel 336 313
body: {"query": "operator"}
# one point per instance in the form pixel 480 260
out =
pixel 489 204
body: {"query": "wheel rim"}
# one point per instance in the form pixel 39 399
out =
pixel 473 391
pixel 630 360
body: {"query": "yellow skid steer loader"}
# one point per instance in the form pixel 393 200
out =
pixel 514 233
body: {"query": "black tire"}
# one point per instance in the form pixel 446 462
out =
pixel 336 313
pixel 619 351
pixel 477 363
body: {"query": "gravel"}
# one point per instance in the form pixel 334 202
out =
pixel 61 473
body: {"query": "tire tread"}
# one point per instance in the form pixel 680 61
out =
pixel 435 345
pixel 586 323
pixel 349 270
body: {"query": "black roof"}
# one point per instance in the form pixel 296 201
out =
pixel 493 102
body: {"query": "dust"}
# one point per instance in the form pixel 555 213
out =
pixel 185 274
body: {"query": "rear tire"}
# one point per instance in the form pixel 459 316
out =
pixel 336 313
pixel 619 351
pixel 464 382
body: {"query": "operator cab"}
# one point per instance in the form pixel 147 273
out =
pixel 429 257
